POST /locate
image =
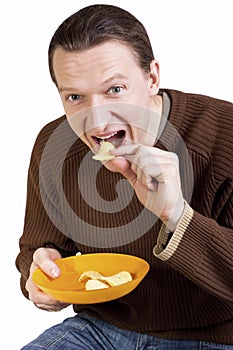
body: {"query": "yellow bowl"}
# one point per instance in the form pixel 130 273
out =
pixel 68 289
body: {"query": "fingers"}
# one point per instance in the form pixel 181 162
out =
pixel 126 162
pixel 123 151
pixel 150 165
pixel 123 166
pixel 44 258
pixel 51 305
pixel 42 300
pixel 155 177
pixel 36 295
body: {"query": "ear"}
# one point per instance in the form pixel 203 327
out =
pixel 154 78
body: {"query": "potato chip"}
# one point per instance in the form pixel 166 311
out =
pixel 105 281
pixel 95 284
pixel 103 153
pixel 118 279
pixel 90 274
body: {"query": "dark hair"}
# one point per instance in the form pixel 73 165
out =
pixel 97 24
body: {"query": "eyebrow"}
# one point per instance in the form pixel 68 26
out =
pixel 107 81
pixel 115 76
pixel 67 88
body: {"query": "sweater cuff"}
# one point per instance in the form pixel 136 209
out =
pixel 166 247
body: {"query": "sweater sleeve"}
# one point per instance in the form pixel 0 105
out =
pixel 202 244
pixel 201 249
pixel 39 230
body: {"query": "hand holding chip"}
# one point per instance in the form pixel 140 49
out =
pixel 154 175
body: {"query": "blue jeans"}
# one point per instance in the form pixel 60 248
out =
pixel 83 332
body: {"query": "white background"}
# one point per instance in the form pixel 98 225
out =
pixel 192 41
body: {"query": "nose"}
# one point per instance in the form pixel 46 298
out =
pixel 98 114
pixel 94 119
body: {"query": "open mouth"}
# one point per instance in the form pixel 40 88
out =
pixel 116 138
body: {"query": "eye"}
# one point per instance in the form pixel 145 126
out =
pixel 115 90
pixel 74 98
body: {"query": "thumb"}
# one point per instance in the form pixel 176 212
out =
pixel 123 166
pixel 44 259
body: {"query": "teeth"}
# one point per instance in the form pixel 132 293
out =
pixel 107 137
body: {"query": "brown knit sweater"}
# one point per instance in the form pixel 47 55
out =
pixel 190 294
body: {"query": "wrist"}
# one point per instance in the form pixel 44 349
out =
pixel 172 223
pixel 167 244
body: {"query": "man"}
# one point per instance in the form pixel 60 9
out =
pixel 174 208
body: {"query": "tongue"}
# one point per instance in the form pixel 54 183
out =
pixel 116 139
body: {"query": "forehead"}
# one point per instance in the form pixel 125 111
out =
pixel 99 59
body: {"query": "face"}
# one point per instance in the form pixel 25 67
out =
pixel 106 95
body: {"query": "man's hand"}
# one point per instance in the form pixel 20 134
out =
pixel 154 175
pixel 44 258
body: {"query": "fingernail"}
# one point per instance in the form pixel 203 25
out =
pixel 55 273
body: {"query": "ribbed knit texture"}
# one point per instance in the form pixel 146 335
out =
pixel 188 296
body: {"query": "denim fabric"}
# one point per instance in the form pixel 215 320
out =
pixel 83 332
